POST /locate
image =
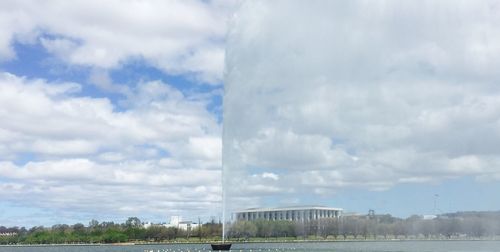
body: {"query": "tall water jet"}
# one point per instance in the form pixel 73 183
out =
pixel 326 101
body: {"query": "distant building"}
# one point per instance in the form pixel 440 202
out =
pixel 8 234
pixel 147 224
pixel 187 225
pixel 429 217
pixel 353 214
pixel 303 213
pixel 176 222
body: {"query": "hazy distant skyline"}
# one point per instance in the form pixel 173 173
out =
pixel 114 109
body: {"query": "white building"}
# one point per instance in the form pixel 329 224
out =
pixel 176 222
pixel 305 213
pixel 8 234
pixel 147 224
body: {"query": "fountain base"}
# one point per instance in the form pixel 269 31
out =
pixel 221 246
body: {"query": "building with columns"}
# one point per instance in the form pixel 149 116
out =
pixel 306 213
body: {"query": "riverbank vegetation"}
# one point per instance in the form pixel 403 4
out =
pixel 465 225
pixel 106 232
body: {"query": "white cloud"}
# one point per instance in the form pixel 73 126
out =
pixel 178 37
pixel 270 175
pixel 76 154
pixel 288 150
pixel 335 95
pixel 45 114
pixel 14 25
pixel 112 156
pixel 84 155
pixel 70 147
pixel 101 79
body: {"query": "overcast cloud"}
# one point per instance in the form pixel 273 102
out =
pixel 329 95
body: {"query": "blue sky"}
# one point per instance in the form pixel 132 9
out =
pixel 110 110
pixel 109 113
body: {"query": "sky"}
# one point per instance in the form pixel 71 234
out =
pixel 383 105
pixel 115 109
pixel 110 109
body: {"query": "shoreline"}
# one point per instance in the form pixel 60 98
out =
pixel 250 242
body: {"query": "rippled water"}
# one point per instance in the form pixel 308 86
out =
pixel 383 246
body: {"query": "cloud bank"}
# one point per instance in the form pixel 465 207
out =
pixel 328 95
pixel 75 154
pixel 177 37
pixel 148 148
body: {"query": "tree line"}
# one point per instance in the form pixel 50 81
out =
pixel 462 225
pixel 106 232
pixel 465 225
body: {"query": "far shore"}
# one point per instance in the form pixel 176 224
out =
pixel 253 241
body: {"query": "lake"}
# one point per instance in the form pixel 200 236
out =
pixel 348 246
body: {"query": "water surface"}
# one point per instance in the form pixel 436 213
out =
pixel 382 246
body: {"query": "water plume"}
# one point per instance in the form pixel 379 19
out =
pixel 322 97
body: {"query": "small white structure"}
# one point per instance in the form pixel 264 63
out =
pixel 8 234
pixel 175 222
pixel 147 224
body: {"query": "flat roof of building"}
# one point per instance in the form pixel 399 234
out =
pixel 288 209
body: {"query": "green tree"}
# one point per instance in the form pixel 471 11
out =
pixel 133 222
pixel 114 236
pixel 243 229
pixel 79 229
